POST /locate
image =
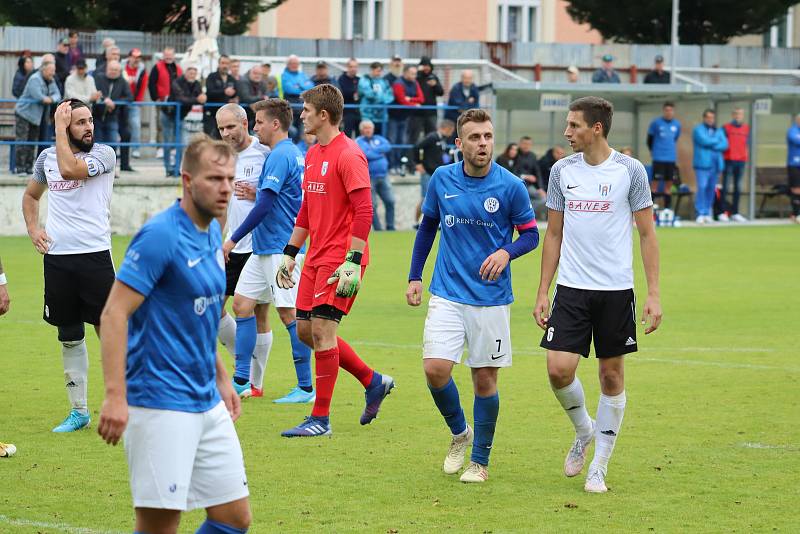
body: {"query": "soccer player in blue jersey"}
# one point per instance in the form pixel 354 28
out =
pixel 662 140
pixel 166 387
pixel 478 204
pixel 280 192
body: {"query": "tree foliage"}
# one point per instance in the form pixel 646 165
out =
pixel 171 16
pixel 701 21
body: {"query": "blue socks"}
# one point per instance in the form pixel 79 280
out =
pixel 213 527
pixel 301 354
pixel 485 411
pixel 245 346
pixel 449 405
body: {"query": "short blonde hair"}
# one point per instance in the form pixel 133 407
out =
pixel 326 97
pixel 198 145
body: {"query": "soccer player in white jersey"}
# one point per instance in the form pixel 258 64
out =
pixel 593 199
pixel 76 241
pixel 166 386
pixel 271 221
pixel 250 154
pixel 478 204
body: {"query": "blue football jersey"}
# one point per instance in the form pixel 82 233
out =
pixel 172 336
pixel 478 216
pixel 283 174
pixel 665 138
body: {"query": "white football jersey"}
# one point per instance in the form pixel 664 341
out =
pixel 249 163
pixel 598 203
pixel 78 211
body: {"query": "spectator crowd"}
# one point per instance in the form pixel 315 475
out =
pixel 392 113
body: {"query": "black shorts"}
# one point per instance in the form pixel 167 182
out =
pixel 233 269
pixel 663 170
pixel 76 287
pixel 578 315
pixel 794 176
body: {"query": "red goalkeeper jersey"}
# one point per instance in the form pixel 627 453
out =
pixel 332 172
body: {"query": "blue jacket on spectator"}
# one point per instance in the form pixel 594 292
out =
pixel 375 149
pixel 36 89
pixel 709 144
pixel 20 79
pixel 374 92
pixel 793 142
pixel 294 83
pixel 458 99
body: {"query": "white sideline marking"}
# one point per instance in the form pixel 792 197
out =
pixel 64 527
pixel 751 445
pixel 637 358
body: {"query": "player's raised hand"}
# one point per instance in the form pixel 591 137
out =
pixel 284 276
pixel 414 293
pixel 652 310
pixel 41 241
pixel 348 276
pixel 63 116
pixel 494 265
pixel 113 419
pixel 541 312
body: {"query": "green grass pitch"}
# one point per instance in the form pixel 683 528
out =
pixel 710 440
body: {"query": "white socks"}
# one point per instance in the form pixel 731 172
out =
pixel 76 373
pixel 227 333
pixel 260 357
pixel 610 411
pixel 572 400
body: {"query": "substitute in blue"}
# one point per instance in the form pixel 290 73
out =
pixel 166 388
pixel 271 221
pixel 477 204
pixel 662 140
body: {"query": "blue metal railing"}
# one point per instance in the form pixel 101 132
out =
pixel 178 145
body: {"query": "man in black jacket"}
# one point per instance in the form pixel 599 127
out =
pixel 110 110
pixel 431 153
pixel 62 63
pixel 658 74
pixel 348 84
pixel 250 89
pixel 220 89
pixel 526 166
pixel 187 90
pixel 431 88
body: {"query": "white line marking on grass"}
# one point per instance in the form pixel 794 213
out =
pixel 635 358
pixel 64 527
pixel 751 445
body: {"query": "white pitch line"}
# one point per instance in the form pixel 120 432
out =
pixel 751 445
pixel 637 358
pixel 64 527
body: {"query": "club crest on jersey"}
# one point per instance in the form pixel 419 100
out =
pixel 200 305
pixel 449 220
pixel 324 169
pixel 604 189
pixel 491 204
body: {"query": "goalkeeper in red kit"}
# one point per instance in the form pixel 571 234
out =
pixel 337 214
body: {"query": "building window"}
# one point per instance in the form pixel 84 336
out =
pixel 518 20
pixel 363 19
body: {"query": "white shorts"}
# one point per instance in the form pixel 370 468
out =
pixel 182 460
pixel 257 280
pixel 486 331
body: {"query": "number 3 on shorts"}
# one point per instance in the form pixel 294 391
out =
pixel 550 333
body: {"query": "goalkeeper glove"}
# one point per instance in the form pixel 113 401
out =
pixel 284 275
pixel 348 275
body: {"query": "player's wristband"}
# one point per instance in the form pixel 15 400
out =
pixel 354 256
pixel 291 250
pixel 3 280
